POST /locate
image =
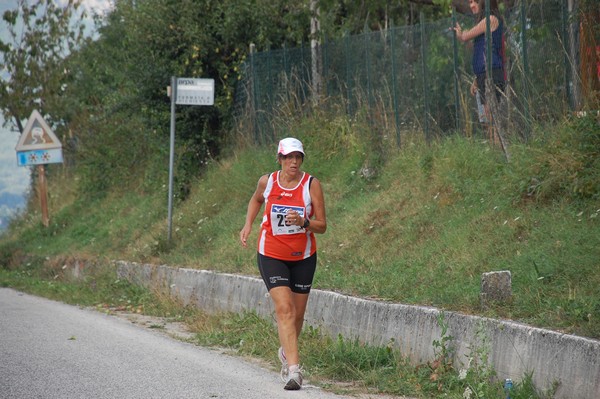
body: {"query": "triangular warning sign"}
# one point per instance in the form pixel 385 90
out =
pixel 37 135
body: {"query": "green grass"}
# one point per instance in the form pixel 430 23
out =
pixel 421 230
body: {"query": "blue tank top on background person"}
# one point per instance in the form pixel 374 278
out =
pixel 479 46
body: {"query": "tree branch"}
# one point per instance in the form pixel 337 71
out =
pixel 462 6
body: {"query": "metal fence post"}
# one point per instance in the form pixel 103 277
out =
pixel 573 30
pixel 285 63
pixel 325 53
pixel 394 98
pixel 488 47
pixel 565 38
pixel 270 93
pixel 456 81
pixel 525 62
pixel 253 94
pixel 348 88
pixel 424 70
pixel 171 158
pixel 368 73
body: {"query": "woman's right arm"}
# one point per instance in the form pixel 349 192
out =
pixel 254 206
pixel 477 30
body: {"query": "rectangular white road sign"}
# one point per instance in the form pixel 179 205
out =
pixel 191 91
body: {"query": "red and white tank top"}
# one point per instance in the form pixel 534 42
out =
pixel 276 239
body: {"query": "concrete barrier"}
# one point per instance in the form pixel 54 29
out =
pixel 570 363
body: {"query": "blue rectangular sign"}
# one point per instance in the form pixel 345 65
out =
pixel 39 157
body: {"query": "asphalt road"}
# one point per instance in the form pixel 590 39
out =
pixel 52 350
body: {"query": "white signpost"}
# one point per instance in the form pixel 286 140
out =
pixel 195 91
pixel 185 91
pixel 38 145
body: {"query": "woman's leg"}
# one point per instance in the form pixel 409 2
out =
pixel 300 302
pixel 491 128
pixel 492 132
pixel 289 310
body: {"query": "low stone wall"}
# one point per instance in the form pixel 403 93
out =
pixel 514 349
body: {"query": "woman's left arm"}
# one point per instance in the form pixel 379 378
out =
pixel 319 222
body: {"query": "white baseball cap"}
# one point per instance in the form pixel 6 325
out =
pixel 289 145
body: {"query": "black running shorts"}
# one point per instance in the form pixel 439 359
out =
pixel 298 274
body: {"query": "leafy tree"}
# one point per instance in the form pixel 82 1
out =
pixel 353 17
pixel 41 35
pixel 122 111
pixel 111 90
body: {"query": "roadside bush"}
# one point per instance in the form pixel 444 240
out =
pixel 569 165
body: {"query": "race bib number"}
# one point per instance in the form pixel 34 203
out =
pixel 278 224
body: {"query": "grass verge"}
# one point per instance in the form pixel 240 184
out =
pixel 338 365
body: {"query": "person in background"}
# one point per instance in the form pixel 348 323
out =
pixel 477 34
pixel 287 250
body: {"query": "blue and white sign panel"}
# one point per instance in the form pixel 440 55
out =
pixel 191 91
pixel 39 157
pixel 38 145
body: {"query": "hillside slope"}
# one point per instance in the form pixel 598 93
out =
pixel 417 225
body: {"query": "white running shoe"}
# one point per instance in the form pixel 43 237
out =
pixel 284 366
pixel 294 381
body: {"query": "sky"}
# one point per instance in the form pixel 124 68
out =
pixel 15 180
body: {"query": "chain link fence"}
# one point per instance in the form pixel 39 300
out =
pixel 417 78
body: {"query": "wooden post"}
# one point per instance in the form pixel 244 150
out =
pixel 43 192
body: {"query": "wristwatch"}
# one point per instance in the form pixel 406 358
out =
pixel 306 223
